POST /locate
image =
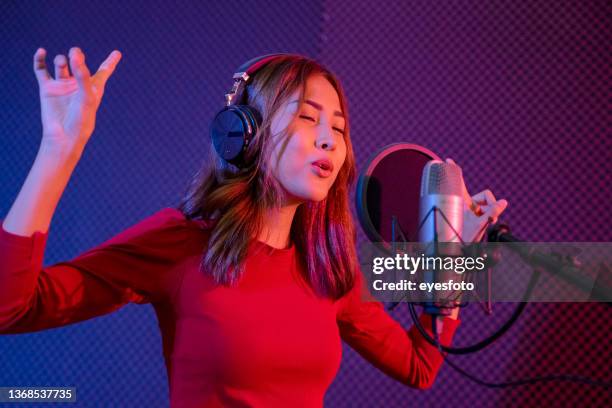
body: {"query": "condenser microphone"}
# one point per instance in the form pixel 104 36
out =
pixel 441 203
pixel 441 222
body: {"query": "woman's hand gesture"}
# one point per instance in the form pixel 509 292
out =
pixel 480 210
pixel 68 102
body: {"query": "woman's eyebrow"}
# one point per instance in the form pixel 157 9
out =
pixel 318 106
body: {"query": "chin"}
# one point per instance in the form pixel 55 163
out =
pixel 317 196
pixel 311 195
pixel 306 190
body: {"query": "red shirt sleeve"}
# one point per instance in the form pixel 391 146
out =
pixel 403 355
pixel 138 265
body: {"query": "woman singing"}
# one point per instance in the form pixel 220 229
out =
pixel 254 276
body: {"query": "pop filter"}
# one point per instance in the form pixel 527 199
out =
pixel 390 187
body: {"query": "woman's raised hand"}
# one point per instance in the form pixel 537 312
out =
pixel 69 101
pixel 480 210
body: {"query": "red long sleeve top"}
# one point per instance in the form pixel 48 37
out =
pixel 269 341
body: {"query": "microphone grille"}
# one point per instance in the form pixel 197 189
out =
pixel 441 178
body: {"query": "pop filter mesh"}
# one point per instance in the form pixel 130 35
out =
pixel 389 187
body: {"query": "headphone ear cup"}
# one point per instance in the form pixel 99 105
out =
pixel 252 116
pixel 232 129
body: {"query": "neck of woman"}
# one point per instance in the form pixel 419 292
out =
pixel 277 226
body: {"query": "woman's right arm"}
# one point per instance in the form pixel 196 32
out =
pixel 142 264
pixel 32 297
pixel 68 106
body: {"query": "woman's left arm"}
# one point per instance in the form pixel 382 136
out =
pixel 403 355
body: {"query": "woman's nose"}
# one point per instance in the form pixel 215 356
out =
pixel 325 137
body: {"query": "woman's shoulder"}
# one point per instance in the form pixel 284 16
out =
pixel 165 226
pixel 170 216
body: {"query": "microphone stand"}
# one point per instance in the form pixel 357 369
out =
pixel 556 264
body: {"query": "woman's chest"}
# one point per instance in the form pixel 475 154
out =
pixel 269 328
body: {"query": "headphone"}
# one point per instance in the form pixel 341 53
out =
pixel 234 127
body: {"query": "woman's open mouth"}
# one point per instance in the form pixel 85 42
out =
pixel 322 168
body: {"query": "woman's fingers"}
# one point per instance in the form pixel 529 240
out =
pixel 493 211
pixel 485 197
pixel 107 67
pixel 61 67
pixel 79 69
pixel 40 66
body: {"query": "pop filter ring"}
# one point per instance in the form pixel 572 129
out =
pixel 365 187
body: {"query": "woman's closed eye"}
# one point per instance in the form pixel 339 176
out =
pixel 312 119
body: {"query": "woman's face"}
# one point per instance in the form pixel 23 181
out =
pixel 307 161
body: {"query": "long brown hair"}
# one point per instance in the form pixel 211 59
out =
pixel 237 199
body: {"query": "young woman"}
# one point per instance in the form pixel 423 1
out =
pixel 253 277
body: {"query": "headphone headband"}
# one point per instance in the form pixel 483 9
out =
pixel 244 73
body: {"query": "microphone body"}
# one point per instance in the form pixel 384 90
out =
pixel 441 221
